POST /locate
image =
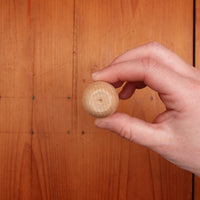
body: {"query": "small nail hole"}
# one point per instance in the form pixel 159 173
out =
pixel 83 132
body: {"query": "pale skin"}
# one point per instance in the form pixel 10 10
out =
pixel 174 134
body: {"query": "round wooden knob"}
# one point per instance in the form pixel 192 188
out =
pixel 100 99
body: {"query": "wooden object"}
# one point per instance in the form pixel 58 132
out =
pixel 52 26
pixel 16 63
pixel 100 99
pixel 15 166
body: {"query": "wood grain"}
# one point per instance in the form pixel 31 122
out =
pixel 100 99
pixel 16 49
pixel 15 115
pixel 196 188
pixel 52 115
pixel 15 166
pixel 16 62
pixel 53 47
pixel 54 153
pixel 15 67
pixel 77 175
pixel 105 30
pixel 53 59
pixel 197 64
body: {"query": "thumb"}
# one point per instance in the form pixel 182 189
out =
pixel 133 129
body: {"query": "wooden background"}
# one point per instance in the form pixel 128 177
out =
pixel 49 147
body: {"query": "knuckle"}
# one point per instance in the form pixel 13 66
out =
pixel 163 146
pixel 193 86
pixel 148 62
pixel 154 44
pixel 126 132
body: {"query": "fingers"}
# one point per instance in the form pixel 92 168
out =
pixel 151 73
pixel 134 129
pixel 118 84
pixel 129 88
pixel 159 53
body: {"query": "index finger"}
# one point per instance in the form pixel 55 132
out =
pixel 159 53
pixel 153 74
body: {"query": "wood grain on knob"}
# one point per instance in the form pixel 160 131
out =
pixel 100 99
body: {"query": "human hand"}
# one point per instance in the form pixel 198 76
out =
pixel 175 134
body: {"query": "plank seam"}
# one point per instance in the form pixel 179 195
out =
pixel 74 72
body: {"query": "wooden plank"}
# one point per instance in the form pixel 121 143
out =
pixel 15 167
pixel 53 42
pixel 52 115
pixel 53 58
pixel 197 64
pixel 16 64
pixel 196 188
pixel 16 49
pixel 54 153
pixel 15 67
pixel 61 170
pixel 15 115
pixel 103 31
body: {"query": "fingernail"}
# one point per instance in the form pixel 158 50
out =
pixel 101 123
pixel 95 76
